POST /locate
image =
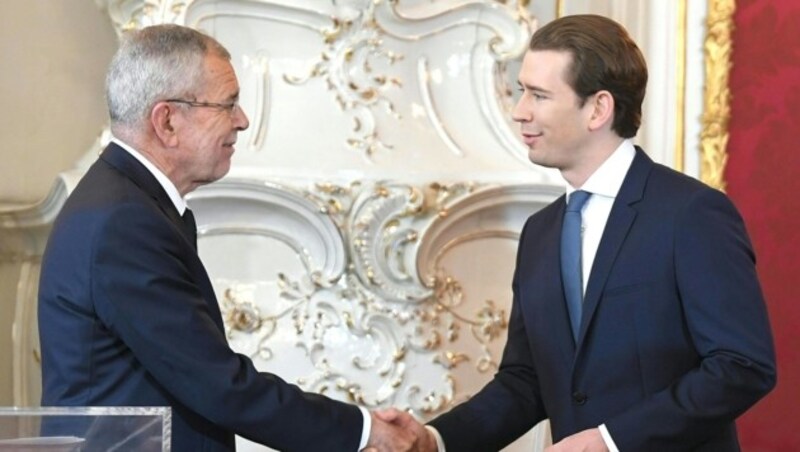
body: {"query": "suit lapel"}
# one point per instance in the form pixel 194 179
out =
pixel 127 164
pixel 543 279
pixel 554 288
pixel 620 220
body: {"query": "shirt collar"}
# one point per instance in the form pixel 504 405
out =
pixel 163 180
pixel 608 177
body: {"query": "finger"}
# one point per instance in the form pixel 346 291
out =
pixel 388 414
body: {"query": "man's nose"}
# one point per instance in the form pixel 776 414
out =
pixel 240 120
pixel 520 112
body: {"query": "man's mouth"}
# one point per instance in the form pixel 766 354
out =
pixel 529 137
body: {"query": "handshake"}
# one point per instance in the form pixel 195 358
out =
pixel 395 430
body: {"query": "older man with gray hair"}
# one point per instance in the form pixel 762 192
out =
pixel 127 314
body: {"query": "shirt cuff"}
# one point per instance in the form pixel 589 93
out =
pixel 367 429
pixel 607 439
pixel 439 440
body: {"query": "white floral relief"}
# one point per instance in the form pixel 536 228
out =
pixel 378 318
pixel 355 66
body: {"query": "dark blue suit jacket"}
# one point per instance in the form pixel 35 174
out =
pixel 128 317
pixel 674 342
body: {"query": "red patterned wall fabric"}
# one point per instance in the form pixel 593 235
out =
pixel 763 178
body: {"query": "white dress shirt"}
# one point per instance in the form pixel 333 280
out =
pixel 603 184
pixel 180 206
pixel 163 180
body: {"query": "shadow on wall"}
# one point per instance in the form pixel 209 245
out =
pixel 52 95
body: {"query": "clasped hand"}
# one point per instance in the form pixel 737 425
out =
pixel 395 430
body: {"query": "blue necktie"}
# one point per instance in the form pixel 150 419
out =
pixel 571 271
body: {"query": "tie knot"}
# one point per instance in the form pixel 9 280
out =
pixel 190 226
pixel 576 200
pixel 188 219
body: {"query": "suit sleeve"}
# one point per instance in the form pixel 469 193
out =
pixel 145 292
pixel 725 315
pixel 508 406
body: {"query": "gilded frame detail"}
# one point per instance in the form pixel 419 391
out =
pixel 716 92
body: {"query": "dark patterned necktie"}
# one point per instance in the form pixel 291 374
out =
pixel 191 226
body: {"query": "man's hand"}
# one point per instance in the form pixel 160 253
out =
pixel 398 431
pixel 586 441
pixel 424 440
pixel 386 436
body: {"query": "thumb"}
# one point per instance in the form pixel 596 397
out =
pixel 388 415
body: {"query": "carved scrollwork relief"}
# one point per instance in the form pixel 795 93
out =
pixel 354 66
pixel 382 315
pixel 134 14
pixel 374 58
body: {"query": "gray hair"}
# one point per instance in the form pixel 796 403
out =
pixel 154 64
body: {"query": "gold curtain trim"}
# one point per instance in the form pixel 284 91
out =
pixel 716 93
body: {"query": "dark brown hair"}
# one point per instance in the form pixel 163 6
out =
pixel 604 57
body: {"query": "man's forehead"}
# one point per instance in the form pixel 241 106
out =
pixel 561 58
pixel 221 77
pixel 541 64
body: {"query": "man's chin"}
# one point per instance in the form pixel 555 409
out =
pixel 213 177
pixel 538 157
pixel 222 170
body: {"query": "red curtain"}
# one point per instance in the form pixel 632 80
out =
pixel 763 178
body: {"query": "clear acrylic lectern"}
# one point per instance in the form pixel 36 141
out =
pixel 84 429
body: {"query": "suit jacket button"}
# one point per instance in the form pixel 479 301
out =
pixel 579 397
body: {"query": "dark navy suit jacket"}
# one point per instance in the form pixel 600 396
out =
pixel 674 342
pixel 128 317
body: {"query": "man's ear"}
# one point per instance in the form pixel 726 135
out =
pixel 163 119
pixel 602 110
